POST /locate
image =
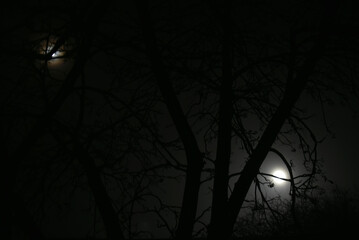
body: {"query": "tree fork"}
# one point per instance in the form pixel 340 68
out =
pixel 223 154
pixel 193 154
pixel 291 95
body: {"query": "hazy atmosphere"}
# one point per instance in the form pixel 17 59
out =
pixel 179 119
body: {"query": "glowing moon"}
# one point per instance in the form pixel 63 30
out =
pixel 280 174
pixel 46 47
pixel 56 54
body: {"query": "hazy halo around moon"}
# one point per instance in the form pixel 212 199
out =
pixel 46 46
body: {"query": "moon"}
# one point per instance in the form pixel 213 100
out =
pixel 46 47
pixel 56 54
pixel 280 174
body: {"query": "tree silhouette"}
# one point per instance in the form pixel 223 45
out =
pixel 152 92
pixel 321 216
pixel 225 209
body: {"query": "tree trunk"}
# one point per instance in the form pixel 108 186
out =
pixel 103 201
pixel 193 154
pixel 292 94
pixel 223 154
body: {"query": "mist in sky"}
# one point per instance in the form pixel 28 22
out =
pixel 181 120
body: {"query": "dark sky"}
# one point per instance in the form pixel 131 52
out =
pixel 66 208
pixel 340 151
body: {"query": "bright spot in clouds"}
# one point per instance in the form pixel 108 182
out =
pixel 281 174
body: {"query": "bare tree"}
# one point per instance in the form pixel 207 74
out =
pixel 198 92
pixel 301 61
pixel 85 24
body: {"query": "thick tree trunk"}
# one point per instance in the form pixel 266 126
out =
pixel 223 154
pixel 292 94
pixel 102 199
pixel 193 154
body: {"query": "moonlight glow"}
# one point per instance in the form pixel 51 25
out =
pixel 47 45
pixel 281 174
pixel 56 54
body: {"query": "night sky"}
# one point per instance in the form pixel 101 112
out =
pixel 109 108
